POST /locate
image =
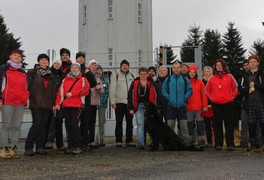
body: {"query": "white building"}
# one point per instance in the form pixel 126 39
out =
pixel 113 30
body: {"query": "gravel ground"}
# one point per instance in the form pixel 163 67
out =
pixel 111 162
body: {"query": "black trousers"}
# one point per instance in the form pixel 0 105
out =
pixel 72 127
pixel 91 123
pixel 59 132
pixel 121 111
pixel 223 113
pixel 85 124
pixel 209 129
pixel 38 130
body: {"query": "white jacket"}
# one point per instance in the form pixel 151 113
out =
pixel 119 87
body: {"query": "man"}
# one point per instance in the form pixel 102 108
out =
pixel 152 73
pixel 65 69
pixel 176 91
pixel 184 69
pixel 161 101
pixel 65 55
pixel 119 87
pixel 244 124
pixel 80 58
pixel 253 89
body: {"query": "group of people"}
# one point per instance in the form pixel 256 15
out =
pixel 71 91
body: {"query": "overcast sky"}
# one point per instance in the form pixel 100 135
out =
pixel 52 24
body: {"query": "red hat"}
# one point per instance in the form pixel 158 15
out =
pixel 18 51
pixel 193 67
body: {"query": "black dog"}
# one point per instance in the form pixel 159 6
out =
pixel 161 132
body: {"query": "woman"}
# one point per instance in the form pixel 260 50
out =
pixel 70 97
pixel 141 92
pixel 42 89
pixel 196 103
pixel 55 123
pixel 208 121
pixel 221 90
pixel 13 98
pixel 103 105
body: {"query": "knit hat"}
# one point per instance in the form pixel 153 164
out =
pixel 193 67
pixel 43 56
pixel 99 67
pixel 124 62
pixel 56 61
pixel 152 68
pixel 80 53
pixel 76 64
pixel 92 61
pixel 64 50
pixel 18 51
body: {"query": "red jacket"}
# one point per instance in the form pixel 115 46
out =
pixel 221 88
pixel 198 99
pixel 79 91
pixel 14 87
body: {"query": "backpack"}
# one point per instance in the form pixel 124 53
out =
pixel 185 84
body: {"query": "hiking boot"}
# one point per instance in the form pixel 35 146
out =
pixel 131 144
pixel 140 146
pixel 13 152
pixel 94 145
pixel 41 152
pixel 4 153
pixel 209 145
pixel 86 148
pixel 118 144
pixel 62 148
pixel 49 145
pixel 230 148
pixel 76 151
pixel 68 151
pixel 29 152
pixel 218 148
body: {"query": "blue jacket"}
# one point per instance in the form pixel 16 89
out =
pixel 105 95
pixel 174 92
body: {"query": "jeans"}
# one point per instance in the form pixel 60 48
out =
pixel 11 122
pixel 37 132
pixel 140 124
pixel 121 111
pixel 101 117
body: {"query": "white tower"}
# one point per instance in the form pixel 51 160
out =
pixel 113 30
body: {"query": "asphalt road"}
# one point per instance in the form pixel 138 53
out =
pixel 111 162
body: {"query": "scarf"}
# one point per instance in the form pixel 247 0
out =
pixel 14 65
pixel 73 75
pixel 43 72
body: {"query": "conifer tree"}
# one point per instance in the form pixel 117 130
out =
pixel 7 42
pixel 233 49
pixel 194 39
pixel 212 47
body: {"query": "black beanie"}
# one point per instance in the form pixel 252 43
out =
pixel 64 50
pixel 152 68
pixel 124 62
pixel 43 56
pixel 80 53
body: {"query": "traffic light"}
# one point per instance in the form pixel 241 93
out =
pixel 160 55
